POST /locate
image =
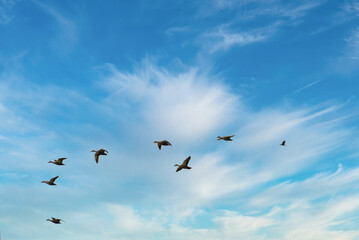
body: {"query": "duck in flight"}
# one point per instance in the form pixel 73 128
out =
pixel 225 138
pixel 283 143
pixel 98 153
pixel 55 220
pixel 51 182
pixel 162 143
pixel 58 161
pixel 184 165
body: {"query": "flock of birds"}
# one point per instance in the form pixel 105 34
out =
pixel 101 151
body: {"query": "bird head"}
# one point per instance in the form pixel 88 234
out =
pixel 155 142
pixel 43 182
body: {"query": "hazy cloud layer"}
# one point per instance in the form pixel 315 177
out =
pixel 190 108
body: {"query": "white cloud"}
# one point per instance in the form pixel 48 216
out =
pixel 68 35
pixel 236 225
pixel 230 168
pixel 126 220
pixel 315 187
pixel 352 51
pixel 351 7
pixel 189 106
pixel 5 9
pixel 192 108
pixel 347 62
pixel 223 38
pixel 250 9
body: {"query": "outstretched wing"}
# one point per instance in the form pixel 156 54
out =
pixel 97 154
pixel 283 143
pixel 61 159
pixel 185 162
pixel 159 145
pixel 52 180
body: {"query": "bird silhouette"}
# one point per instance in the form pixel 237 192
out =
pixel 162 143
pixel 98 153
pixel 55 220
pixel 184 165
pixel 51 182
pixel 225 138
pixel 283 143
pixel 58 161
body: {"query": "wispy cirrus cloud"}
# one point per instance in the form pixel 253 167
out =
pixel 159 91
pixel 251 9
pixel 190 108
pixel 173 103
pixel 223 37
pixel 347 61
pixel 308 85
pixel 316 187
pixel 5 11
pixel 226 35
pixel 68 35
pixel 352 51
pixel 351 7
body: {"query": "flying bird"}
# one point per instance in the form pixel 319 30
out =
pixel 225 138
pixel 162 143
pixel 184 165
pixel 58 161
pixel 51 182
pixel 98 153
pixel 55 220
pixel 283 143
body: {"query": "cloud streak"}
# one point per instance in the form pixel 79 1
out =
pixel 68 35
pixel 223 38
pixel 136 194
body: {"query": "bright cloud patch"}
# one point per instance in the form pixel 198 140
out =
pixel 135 192
pixel 188 105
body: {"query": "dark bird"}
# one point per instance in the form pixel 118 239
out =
pixel 98 153
pixel 183 165
pixel 58 161
pixel 55 220
pixel 283 143
pixel 162 143
pixel 51 182
pixel 225 138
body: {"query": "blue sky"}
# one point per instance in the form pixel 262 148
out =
pixel 83 75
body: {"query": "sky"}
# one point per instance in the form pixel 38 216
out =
pixel 119 75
